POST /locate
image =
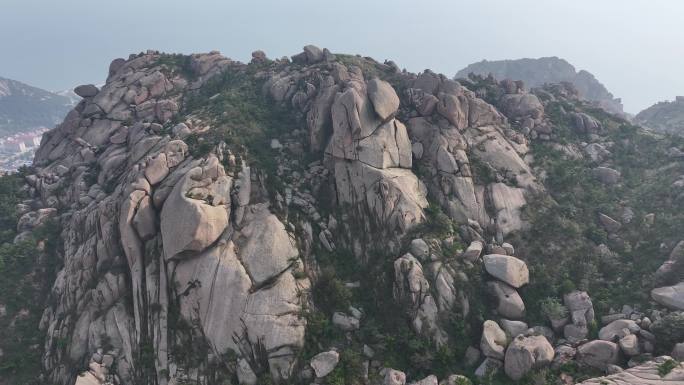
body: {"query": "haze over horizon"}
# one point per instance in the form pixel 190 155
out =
pixel 636 51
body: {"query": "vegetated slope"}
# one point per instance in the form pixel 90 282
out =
pixel 332 217
pixel 547 70
pixel 664 117
pixel 23 107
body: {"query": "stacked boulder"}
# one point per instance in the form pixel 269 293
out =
pixel 526 353
pixel 493 346
pixel 516 348
pixel 352 121
pixel 511 273
pixel 581 311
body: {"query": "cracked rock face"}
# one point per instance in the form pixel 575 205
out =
pixel 167 219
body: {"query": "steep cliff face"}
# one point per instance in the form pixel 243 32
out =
pixel 152 226
pixel 547 70
pixel 322 217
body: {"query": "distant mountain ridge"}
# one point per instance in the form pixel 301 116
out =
pixel 664 117
pixel 537 72
pixel 24 107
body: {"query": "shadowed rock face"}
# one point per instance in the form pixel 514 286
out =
pixel 546 70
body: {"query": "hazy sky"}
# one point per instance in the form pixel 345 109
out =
pixel 635 47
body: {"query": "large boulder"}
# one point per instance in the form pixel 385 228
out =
pixel 345 322
pixel 189 223
pixel 509 269
pixel 518 106
pixel 324 363
pixel 384 98
pixel 394 377
pixel 629 345
pixel 580 307
pixel 586 124
pixel 527 353
pixel 509 303
pixel 598 354
pixel 493 342
pixel 420 249
pixel 670 296
pixel 618 329
pixel 513 328
pixel 474 250
pixel 607 175
pixel 678 351
pixel 86 90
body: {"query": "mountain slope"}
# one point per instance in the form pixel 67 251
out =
pixel 537 72
pixel 664 117
pixel 23 107
pixel 331 219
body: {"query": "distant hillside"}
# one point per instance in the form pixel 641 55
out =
pixel 666 117
pixel 537 72
pixel 23 107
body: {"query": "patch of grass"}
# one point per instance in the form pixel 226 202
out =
pixel 177 63
pixel 666 367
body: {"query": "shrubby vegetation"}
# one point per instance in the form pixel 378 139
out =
pixel 27 270
pixel 561 244
pixel 669 330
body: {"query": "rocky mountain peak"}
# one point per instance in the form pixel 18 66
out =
pixel 547 70
pixel 330 218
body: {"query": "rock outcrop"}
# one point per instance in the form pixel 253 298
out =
pixel 664 117
pixel 526 353
pixel 647 373
pixel 223 220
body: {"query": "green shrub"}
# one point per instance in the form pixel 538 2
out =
pixel 669 330
pixel 553 308
pixel 330 294
pixel 666 367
